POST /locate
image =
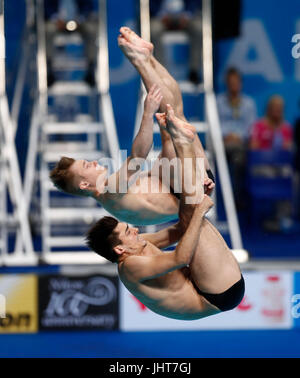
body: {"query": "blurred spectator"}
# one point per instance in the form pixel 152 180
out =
pixel 58 14
pixel 297 162
pixel 178 15
pixel 237 113
pixel 273 132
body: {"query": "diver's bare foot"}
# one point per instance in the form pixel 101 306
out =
pixel 133 52
pixel 132 37
pixel 178 128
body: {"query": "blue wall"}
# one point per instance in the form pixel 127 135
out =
pixel 263 53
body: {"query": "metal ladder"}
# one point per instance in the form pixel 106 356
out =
pixel 90 135
pixel 208 128
pixel 10 177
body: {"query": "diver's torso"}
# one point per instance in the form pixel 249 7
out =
pixel 144 203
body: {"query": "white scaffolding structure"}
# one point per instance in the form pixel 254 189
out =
pixel 50 138
pixel 10 177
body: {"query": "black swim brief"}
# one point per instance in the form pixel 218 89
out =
pixel 227 300
pixel 209 174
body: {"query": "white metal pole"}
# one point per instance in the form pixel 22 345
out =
pixel 41 53
pixel 145 31
pixel 145 19
pixel 102 79
pixel 215 127
pixel 103 58
pixel 10 151
pixel 2 51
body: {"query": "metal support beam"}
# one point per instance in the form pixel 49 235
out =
pixel 102 80
pixel 145 20
pixel 215 127
pixel 10 155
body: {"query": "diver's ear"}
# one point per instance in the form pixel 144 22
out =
pixel 84 185
pixel 119 249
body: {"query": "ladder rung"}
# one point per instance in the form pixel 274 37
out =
pixel 58 214
pixel 75 88
pixel 69 202
pixel 172 37
pixel 153 154
pixel 53 156
pixel 241 255
pixel 79 118
pixel 65 146
pixel 187 87
pixel 63 39
pixel 20 259
pixel 71 258
pixel 48 185
pixel 62 63
pixel 72 128
pixel 65 241
pixel 201 127
pixel 222 226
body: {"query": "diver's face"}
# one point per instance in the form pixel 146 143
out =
pixel 87 174
pixel 131 241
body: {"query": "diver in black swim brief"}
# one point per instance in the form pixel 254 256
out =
pixel 227 300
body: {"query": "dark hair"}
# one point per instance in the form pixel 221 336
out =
pixel 62 177
pixel 101 238
pixel 232 71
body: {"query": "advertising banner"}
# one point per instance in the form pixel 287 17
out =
pixel 266 305
pixel 18 303
pixel 295 302
pixel 85 302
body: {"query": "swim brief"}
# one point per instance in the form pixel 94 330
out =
pixel 227 300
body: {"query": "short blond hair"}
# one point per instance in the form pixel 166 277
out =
pixel 62 177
